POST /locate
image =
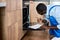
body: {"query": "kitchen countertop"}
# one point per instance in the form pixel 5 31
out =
pixel 48 27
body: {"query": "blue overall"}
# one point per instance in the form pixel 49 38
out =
pixel 54 22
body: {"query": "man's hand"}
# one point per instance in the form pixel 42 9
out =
pixel 44 27
pixel 48 27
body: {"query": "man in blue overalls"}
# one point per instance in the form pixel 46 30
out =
pixel 41 9
pixel 54 17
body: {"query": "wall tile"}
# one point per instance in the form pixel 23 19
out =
pixel 18 15
pixel 10 18
pixel 13 32
pixel 13 4
pixel 19 5
pixel 8 5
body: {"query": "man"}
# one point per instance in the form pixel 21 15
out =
pixel 41 9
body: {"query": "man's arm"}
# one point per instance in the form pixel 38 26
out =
pixel 52 27
pixel 48 27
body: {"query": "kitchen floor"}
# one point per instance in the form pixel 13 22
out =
pixel 37 35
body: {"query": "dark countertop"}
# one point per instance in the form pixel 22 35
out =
pixel 48 27
pixel 25 27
